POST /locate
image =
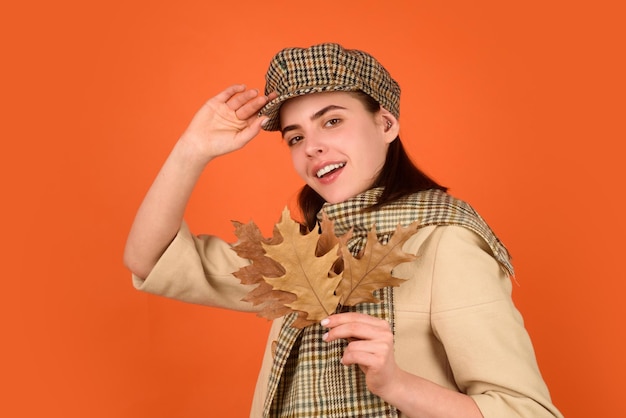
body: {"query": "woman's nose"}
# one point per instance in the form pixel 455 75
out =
pixel 314 145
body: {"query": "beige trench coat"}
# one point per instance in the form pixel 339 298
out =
pixel 456 324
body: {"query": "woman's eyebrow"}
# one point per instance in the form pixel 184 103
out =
pixel 321 112
pixel 315 116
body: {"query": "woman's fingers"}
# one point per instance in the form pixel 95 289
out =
pixel 370 346
pixel 355 326
pixel 363 358
pixel 251 107
pixel 229 92
pixel 245 103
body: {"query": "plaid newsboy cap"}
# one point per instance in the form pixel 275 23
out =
pixel 326 67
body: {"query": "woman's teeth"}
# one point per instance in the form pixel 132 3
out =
pixel 323 171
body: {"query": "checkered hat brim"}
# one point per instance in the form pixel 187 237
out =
pixel 326 67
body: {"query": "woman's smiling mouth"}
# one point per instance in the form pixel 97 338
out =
pixel 329 168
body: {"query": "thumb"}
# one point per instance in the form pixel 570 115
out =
pixel 251 131
pixel 264 120
pixel 258 124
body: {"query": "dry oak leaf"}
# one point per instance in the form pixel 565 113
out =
pixel 306 274
pixel 372 270
pixel 272 302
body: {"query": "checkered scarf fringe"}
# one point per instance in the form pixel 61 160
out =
pixel 307 378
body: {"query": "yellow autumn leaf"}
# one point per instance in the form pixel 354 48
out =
pixel 307 276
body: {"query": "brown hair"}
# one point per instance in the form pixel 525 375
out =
pixel 399 176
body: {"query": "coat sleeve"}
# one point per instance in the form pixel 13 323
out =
pixel 489 350
pixel 198 270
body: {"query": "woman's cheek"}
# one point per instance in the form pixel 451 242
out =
pixel 298 164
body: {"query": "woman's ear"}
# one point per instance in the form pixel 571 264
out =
pixel 391 125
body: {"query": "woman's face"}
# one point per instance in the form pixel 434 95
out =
pixel 337 146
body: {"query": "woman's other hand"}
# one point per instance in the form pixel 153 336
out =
pixel 226 122
pixel 370 345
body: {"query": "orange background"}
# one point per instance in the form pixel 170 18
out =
pixel 517 107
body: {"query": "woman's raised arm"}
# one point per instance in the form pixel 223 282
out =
pixel 223 124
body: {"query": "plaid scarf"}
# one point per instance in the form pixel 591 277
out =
pixel 307 378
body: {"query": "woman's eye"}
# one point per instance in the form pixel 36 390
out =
pixel 293 140
pixel 332 122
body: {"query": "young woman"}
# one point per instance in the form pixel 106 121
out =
pixel 448 342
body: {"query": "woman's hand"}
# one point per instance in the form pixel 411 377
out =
pixel 370 345
pixel 226 122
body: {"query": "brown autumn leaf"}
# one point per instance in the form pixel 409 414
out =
pixel 372 270
pixel 249 246
pixel 306 274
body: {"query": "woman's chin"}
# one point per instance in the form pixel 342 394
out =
pixel 338 196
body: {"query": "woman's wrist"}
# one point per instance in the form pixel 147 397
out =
pixel 189 151
pixel 400 389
